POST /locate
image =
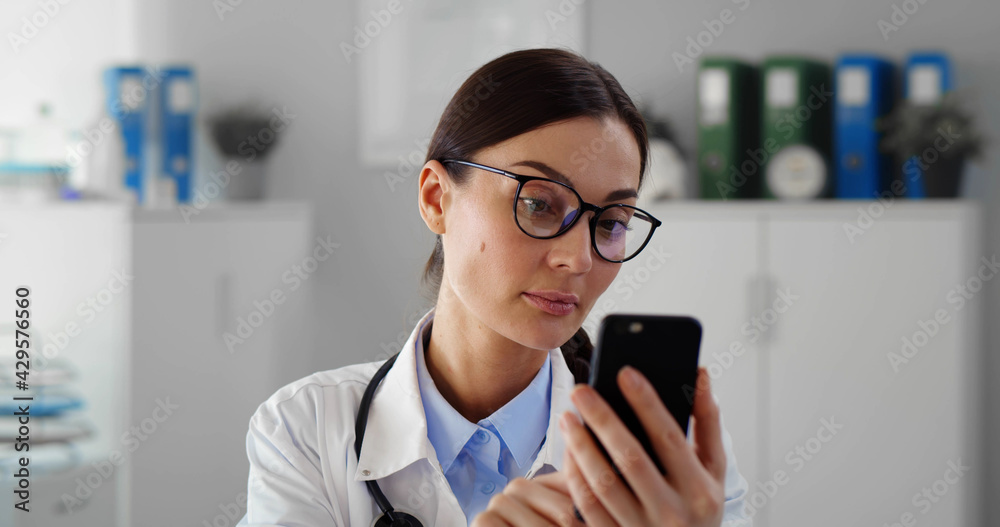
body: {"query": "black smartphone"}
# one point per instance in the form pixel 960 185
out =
pixel 664 348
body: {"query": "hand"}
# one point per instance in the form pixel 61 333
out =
pixel 693 491
pixel 544 500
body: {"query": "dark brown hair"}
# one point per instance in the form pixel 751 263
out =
pixel 514 94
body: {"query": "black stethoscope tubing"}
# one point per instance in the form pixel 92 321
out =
pixel 394 517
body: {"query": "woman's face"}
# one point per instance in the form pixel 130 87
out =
pixel 491 265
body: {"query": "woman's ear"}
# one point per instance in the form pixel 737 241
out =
pixel 433 195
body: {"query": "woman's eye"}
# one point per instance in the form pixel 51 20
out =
pixel 535 205
pixel 613 228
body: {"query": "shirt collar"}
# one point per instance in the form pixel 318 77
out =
pixel 396 434
pixel 521 422
pixel 550 457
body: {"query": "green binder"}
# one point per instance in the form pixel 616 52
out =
pixel 796 107
pixel 728 129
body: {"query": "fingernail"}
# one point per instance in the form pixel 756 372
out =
pixel 582 396
pixel 704 378
pixel 631 378
pixel 565 421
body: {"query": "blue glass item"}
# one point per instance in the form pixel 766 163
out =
pixel 27 182
pixel 42 405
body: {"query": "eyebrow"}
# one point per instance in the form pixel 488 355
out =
pixel 614 195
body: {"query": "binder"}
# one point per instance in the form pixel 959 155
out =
pixel 176 104
pixel 864 94
pixel 127 105
pixel 728 129
pixel 796 109
pixel 927 80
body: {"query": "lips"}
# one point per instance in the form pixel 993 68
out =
pixel 556 296
pixel 552 302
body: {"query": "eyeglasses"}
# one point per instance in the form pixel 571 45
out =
pixel 544 209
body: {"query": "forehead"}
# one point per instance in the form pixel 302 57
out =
pixel 595 156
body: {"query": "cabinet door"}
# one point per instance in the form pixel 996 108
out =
pixel 703 265
pixel 275 265
pixel 857 434
pixel 178 358
pixel 199 286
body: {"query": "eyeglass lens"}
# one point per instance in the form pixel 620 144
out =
pixel 545 209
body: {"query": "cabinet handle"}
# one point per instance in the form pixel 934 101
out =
pixel 769 296
pixel 759 292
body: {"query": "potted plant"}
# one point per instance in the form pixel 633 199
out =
pixel 245 134
pixel 931 144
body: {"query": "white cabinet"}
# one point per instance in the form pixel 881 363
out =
pixel 76 261
pixel 830 426
pixel 162 387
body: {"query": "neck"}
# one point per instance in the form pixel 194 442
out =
pixel 476 369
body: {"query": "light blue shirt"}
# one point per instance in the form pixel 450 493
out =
pixel 478 459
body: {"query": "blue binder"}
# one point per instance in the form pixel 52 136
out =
pixel 177 103
pixel 927 80
pixel 127 104
pixel 864 93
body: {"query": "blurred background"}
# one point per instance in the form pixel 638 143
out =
pixel 202 201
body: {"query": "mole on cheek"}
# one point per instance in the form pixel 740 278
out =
pixel 482 246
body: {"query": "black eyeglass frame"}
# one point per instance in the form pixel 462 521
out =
pixel 584 207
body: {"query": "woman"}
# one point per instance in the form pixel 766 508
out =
pixel 476 420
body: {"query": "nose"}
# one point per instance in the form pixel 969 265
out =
pixel 572 250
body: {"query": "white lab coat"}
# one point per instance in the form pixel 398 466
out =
pixel 303 470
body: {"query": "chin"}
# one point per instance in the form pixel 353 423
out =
pixel 551 334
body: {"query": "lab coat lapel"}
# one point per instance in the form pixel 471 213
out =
pixel 396 434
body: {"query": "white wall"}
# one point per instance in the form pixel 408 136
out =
pixel 52 53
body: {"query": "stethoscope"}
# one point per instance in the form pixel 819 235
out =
pixel 389 517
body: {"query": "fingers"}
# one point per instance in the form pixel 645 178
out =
pixel 708 428
pixel 513 511
pixel 626 451
pixel 597 472
pixel 553 505
pixel 668 439
pixel 553 480
pixel 589 506
pixel 489 519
